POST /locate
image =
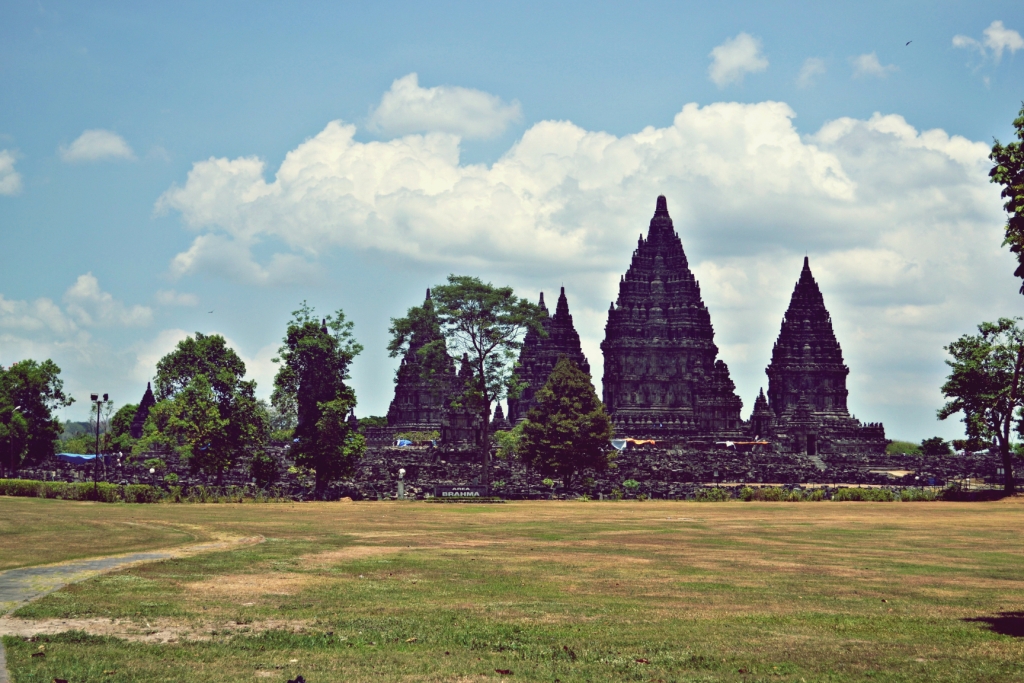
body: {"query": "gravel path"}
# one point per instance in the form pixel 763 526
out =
pixel 20 586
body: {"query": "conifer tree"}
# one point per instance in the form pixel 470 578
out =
pixel 567 430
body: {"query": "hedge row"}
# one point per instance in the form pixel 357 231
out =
pixel 776 493
pixel 133 493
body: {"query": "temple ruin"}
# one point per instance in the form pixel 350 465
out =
pixel 662 375
pixel 539 354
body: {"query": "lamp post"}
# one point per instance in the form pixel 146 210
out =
pixel 10 437
pixel 96 461
pixel 401 484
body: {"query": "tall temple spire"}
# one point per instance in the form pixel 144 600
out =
pixel 539 354
pixel 419 399
pixel 661 368
pixel 139 421
pixel 807 361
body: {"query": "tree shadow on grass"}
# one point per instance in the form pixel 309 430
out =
pixel 1005 623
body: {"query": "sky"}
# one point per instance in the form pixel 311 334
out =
pixel 168 168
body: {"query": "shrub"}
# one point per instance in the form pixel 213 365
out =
pixel 913 495
pixel 715 495
pixel 907 447
pixel 142 493
pixel 631 484
pixel 871 495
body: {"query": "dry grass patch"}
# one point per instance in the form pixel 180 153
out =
pixel 250 586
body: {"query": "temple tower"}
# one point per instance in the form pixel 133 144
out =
pixel 661 370
pixel 539 354
pixel 807 383
pixel 807 362
pixel 139 421
pixel 419 401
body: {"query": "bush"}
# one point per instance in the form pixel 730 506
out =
pixel 915 495
pixel 777 494
pixel 907 447
pixel 133 493
pixel 142 493
pixel 715 495
pixel 870 495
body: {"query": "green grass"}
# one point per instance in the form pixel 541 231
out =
pixel 669 591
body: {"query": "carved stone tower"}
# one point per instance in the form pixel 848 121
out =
pixel 807 382
pixel 419 401
pixel 539 354
pixel 148 401
pixel 661 372
pixel 807 361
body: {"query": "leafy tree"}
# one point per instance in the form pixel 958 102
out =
pixel 935 446
pixel 484 322
pixel 904 447
pixel 315 360
pixel 373 421
pixel 205 410
pixel 1008 171
pixel 984 385
pixel 567 429
pixel 29 393
pixel 119 436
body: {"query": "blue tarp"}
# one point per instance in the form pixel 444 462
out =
pixel 403 442
pixel 77 458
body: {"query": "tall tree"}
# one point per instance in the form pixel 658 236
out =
pixel 29 393
pixel 315 360
pixel 567 430
pixel 985 386
pixel 1008 171
pixel 486 323
pixel 206 411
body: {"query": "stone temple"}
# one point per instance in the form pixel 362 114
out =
pixel 662 374
pixel 539 354
pixel 663 379
pixel 806 411
pixel 419 401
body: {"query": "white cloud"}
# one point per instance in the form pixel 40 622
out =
pixel 902 226
pixel 999 38
pixel 169 297
pixel 10 180
pixel 996 38
pixel 967 42
pixel 258 366
pixel 409 108
pixel 868 65
pixel 809 72
pixel 735 58
pixel 96 144
pixel 147 353
pixel 88 305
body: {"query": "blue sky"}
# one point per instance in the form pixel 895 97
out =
pixel 141 152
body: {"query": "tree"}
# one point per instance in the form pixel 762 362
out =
pixel 1008 171
pixel 315 359
pixel 29 393
pixel 984 385
pixel 567 430
pixel 119 436
pixel 935 446
pixel 484 322
pixel 205 411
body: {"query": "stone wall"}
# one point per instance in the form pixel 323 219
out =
pixel 662 472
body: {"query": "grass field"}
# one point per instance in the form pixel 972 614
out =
pixel 550 591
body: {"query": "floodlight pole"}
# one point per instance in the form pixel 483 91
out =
pixel 10 437
pixel 96 460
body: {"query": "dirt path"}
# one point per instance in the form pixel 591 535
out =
pixel 20 586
